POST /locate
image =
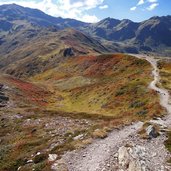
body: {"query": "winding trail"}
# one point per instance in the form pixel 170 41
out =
pixel 95 155
pixel 163 93
pixel 99 156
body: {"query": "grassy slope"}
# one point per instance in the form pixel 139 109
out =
pixel 85 95
pixel 108 85
pixel 165 73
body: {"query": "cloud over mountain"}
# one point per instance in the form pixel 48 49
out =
pixel 76 9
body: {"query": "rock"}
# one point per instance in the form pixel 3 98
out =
pixel 154 154
pixel 68 52
pixel 30 161
pixel 108 165
pixel 52 157
pixel 152 132
pixel 123 156
pixel 131 158
pixel 162 168
pixel 19 168
pixel 38 153
pixel 159 122
pixel 134 166
pixel 79 137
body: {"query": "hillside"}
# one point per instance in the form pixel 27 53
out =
pixel 57 45
pixel 90 85
pixel 83 96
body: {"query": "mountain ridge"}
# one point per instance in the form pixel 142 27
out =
pixel 24 31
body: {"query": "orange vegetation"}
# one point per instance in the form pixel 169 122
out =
pixel 32 92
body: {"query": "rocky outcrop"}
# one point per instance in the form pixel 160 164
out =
pixel 132 158
pixel 68 52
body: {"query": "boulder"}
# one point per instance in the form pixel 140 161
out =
pixel 152 132
pixel 132 158
pixel 79 137
pixel 123 156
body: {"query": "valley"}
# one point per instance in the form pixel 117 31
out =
pixel 44 115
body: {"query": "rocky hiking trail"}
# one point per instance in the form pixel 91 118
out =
pixel 123 150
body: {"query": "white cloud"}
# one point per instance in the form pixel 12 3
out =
pixel 103 7
pixel 141 2
pixel 76 9
pixel 90 18
pixel 152 1
pixel 152 6
pixel 133 8
pixel 89 4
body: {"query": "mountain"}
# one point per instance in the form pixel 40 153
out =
pixel 113 30
pixel 13 16
pixel 41 49
pixel 150 35
pixel 117 35
pixel 155 32
pixel 37 41
pixel 23 33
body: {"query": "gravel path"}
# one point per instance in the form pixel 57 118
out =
pixel 94 156
pixel 101 155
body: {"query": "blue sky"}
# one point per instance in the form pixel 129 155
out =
pixel 95 10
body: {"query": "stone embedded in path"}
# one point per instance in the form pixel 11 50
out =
pixel 123 156
pixel 131 158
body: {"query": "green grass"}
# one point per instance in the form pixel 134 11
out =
pixel 165 73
